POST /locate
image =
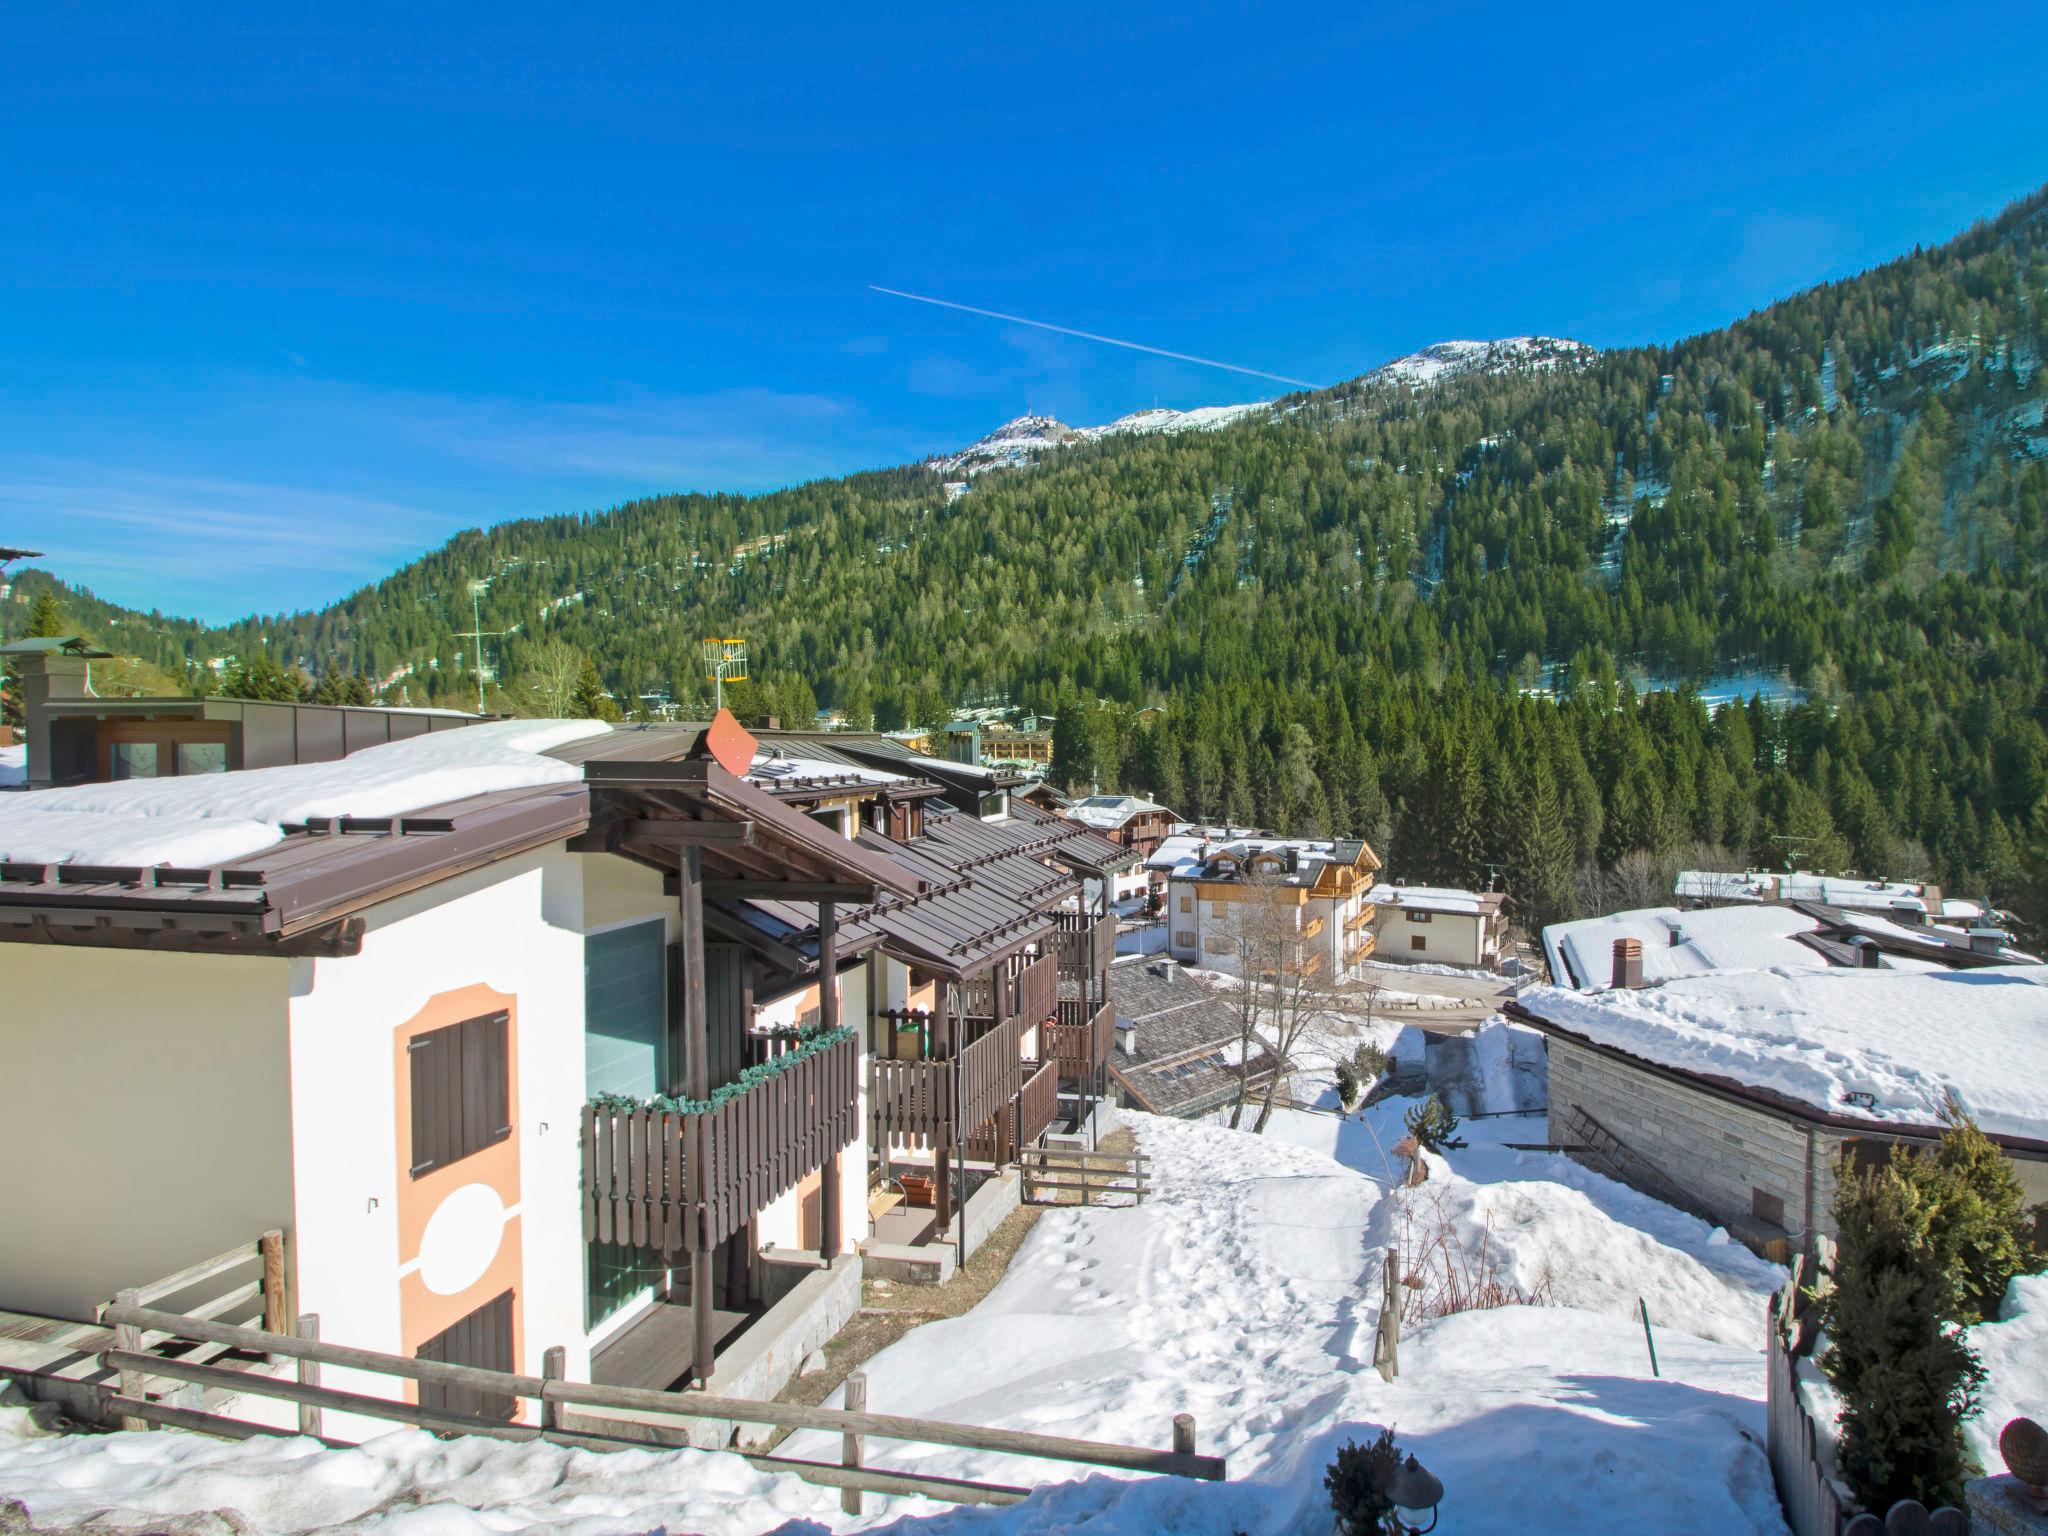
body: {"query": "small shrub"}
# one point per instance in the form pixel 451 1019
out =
pixel 1441 1276
pixel 1358 1481
pixel 1369 1061
pixel 1347 1084
pixel 1906 1377
pixel 1433 1126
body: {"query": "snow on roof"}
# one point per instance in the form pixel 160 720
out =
pixel 1800 885
pixel 1679 943
pixel 199 820
pixel 1907 1039
pixel 1433 898
pixel 771 769
pixel 1108 812
pixel 14 764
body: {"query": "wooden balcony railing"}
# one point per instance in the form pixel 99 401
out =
pixel 1081 1041
pixel 753 1148
pixel 1039 1102
pixel 1360 918
pixel 1083 943
pixel 914 1101
pixel 1038 989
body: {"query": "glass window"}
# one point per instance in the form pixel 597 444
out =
pixel 202 757
pixel 134 760
pixel 616 1275
pixel 625 1015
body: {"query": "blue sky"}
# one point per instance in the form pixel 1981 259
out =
pixel 285 301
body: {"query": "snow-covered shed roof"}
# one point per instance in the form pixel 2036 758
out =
pixel 1890 1047
pixel 1832 890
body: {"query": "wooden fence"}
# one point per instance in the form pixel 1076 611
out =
pixel 1801 1450
pixel 1038 989
pixel 750 1150
pixel 659 1418
pixel 1052 1173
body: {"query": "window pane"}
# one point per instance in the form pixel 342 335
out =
pixel 202 757
pixel 616 1275
pixel 134 760
pixel 625 1020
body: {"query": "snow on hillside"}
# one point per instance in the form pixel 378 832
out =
pixel 1028 438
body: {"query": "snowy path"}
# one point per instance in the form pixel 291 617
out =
pixel 1245 1292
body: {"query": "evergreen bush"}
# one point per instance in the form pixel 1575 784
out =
pixel 1980 1227
pixel 1433 1126
pixel 1369 1061
pixel 1905 1375
pixel 1347 1084
pixel 1358 1481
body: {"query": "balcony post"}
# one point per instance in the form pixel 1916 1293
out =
pixel 828 1017
pixel 697 1084
pixel 942 1158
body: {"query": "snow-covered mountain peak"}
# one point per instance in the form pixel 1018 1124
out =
pixel 1029 438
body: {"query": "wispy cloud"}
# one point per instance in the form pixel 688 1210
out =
pixel 288 492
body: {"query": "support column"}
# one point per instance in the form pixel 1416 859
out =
pixel 942 1144
pixel 828 1018
pixel 697 1084
pixel 962 1130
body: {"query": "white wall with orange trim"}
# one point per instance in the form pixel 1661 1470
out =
pixel 387 1260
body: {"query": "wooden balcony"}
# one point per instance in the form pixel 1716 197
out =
pixel 915 1101
pixel 1084 944
pixel 1038 989
pixel 1361 918
pixel 1081 1040
pixel 752 1149
pixel 1039 1103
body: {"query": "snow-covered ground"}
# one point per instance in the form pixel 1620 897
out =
pixel 2014 1354
pixel 14 764
pixel 1245 1292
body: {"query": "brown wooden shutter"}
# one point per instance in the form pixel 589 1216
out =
pixel 461 1090
pixel 482 1339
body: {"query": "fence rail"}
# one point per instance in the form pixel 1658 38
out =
pixel 671 1412
pixel 1038 989
pixel 1059 1171
pixel 1084 945
pixel 1038 1104
pixel 750 1150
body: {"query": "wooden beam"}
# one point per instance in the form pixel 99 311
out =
pixel 774 951
pixel 828 1017
pixel 644 829
pixel 697 1075
pixel 788 890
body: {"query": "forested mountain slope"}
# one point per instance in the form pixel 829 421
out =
pixel 1341 603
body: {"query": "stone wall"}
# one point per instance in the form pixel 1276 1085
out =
pixel 1716 1151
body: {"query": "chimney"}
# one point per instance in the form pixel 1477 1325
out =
pixel 52 671
pixel 1628 963
pixel 1986 940
pixel 1867 953
pixel 1908 913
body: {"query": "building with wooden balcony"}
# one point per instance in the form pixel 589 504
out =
pixel 989 1018
pixel 481 1021
pixel 1225 894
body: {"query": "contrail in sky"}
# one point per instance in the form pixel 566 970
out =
pixel 1111 341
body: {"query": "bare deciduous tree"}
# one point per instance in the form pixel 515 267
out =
pixel 547 687
pixel 1285 1006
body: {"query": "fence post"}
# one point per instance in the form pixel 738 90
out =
pixel 1184 1434
pixel 128 1337
pixel 553 1366
pixel 1386 1351
pixel 276 1319
pixel 850 1445
pixel 310 1415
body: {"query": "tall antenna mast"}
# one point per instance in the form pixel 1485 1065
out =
pixel 725 661
pixel 479 634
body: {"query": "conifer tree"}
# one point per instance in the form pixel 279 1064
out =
pixel 1905 1375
